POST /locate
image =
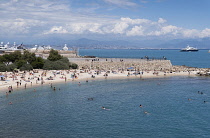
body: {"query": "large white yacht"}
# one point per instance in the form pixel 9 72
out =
pixel 189 49
pixel 4 47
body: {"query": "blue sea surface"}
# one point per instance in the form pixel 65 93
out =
pixel 68 112
pixel 193 59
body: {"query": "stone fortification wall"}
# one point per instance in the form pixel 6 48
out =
pixel 116 63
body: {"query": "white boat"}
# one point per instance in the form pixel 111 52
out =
pixel 189 49
pixel 4 48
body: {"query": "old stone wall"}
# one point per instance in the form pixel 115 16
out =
pixel 115 63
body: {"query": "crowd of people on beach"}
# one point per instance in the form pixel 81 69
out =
pixel 40 77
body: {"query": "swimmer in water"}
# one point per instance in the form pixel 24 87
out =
pixel 10 102
pixel 189 99
pixel 145 112
pixel 90 99
pixel 140 105
pixel 104 108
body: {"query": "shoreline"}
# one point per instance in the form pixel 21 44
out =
pixel 21 81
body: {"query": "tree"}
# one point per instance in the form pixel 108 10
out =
pixel 3 67
pixel 38 63
pixel 7 59
pixel 29 57
pixel 11 67
pixel 20 63
pixel 2 59
pixel 59 65
pixel 55 65
pixel 73 66
pixel 15 56
pixel 54 56
pixel 26 67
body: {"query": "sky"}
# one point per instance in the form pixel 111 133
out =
pixel 104 19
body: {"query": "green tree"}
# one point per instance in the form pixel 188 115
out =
pixel 48 65
pixel 7 58
pixel 29 57
pixel 38 63
pixel 3 67
pixel 73 66
pixel 55 65
pixel 15 56
pixel 59 65
pixel 11 67
pixel 26 67
pixel 54 56
pixel 20 63
pixel 2 59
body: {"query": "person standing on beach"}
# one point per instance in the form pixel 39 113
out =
pixel 17 84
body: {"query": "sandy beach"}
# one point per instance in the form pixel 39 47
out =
pixel 24 80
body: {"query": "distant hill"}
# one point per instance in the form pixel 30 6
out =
pixel 180 43
pixel 59 42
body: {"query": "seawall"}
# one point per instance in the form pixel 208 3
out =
pixel 119 63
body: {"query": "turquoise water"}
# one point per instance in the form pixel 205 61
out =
pixel 68 112
pixel 193 59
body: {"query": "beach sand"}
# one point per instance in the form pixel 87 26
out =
pixel 31 79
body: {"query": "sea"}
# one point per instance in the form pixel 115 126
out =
pixel 171 107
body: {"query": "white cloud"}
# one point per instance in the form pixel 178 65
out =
pixel 80 28
pixel 119 28
pixel 193 33
pixel 161 20
pixel 205 33
pixel 121 3
pixel 29 17
pixel 135 21
pixel 170 29
pixel 18 26
pixel 76 28
pixel 136 31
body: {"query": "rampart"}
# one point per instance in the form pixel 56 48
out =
pixel 123 64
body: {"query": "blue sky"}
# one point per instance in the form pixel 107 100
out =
pixel 104 19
